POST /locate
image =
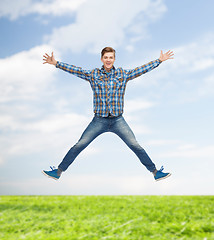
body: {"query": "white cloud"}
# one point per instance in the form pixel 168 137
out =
pixel 1 160
pixel 14 8
pixel 52 123
pixel 140 128
pixel 190 151
pixel 194 56
pixel 137 104
pixel 57 7
pixel 23 75
pixel 107 23
pixel 56 123
pixel 195 63
pixel 18 8
pixel 162 142
pixel 207 88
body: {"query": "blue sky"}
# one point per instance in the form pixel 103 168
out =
pixel 43 110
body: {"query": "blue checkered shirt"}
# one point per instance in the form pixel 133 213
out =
pixel 108 87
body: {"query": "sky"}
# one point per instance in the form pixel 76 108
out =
pixel 43 110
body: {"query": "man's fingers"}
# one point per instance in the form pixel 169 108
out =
pixel 169 51
pixel 47 58
pixel 170 54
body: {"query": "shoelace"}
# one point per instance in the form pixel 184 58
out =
pixel 52 168
pixel 161 169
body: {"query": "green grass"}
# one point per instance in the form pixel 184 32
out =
pixel 106 217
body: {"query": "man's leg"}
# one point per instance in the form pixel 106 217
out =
pixel 94 129
pixel 122 129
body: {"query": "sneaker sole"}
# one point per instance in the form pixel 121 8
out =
pixel 163 177
pixel 50 176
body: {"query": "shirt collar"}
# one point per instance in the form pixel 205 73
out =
pixel 104 71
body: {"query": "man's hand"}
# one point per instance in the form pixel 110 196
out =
pixel 49 59
pixel 166 56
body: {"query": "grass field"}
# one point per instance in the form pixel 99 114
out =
pixel 106 217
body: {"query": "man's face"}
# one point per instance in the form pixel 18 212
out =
pixel 108 60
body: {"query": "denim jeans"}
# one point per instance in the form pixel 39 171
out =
pixel 99 125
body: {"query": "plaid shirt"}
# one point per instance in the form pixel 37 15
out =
pixel 108 87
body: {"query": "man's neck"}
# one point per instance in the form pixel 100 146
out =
pixel 108 69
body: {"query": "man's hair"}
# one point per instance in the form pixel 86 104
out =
pixel 106 50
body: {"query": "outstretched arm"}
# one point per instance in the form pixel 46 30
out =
pixel 131 74
pixel 77 71
pixel 166 56
pixel 49 59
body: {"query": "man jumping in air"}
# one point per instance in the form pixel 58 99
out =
pixel 108 85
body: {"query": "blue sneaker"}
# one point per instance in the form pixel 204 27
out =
pixel 160 175
pixel 52 174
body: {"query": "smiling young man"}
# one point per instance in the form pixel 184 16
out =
pixel 108 85
pixel 108 58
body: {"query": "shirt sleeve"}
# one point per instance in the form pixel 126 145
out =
pixel 138 71
pixel 77 71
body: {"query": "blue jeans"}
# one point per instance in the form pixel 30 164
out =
pixel 99 125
